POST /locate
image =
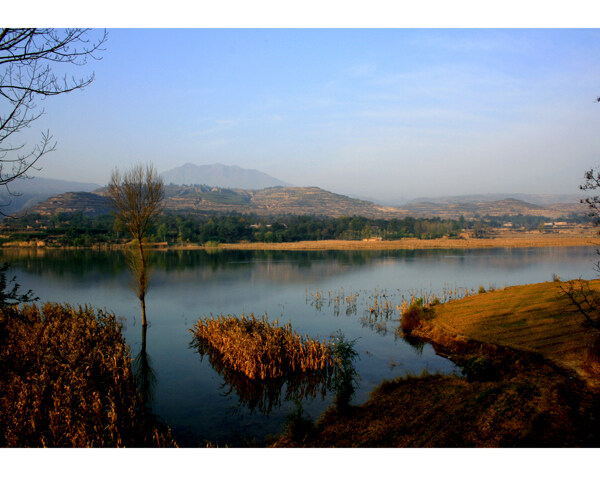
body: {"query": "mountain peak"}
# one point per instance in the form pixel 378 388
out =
pixel 220 175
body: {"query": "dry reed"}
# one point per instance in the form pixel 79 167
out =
pixel 66 381
pixel 262 350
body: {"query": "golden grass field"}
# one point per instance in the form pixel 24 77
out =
pixel 535 318
pixel 533 239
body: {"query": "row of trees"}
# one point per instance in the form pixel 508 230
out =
pixel 80 230
pixel 77 229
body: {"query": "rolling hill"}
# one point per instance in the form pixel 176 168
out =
pixel 30 191
pixel 507 206
pixel 203 200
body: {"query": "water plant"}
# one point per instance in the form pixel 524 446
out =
pixel 66 381
pixel 412 317
pixel 265 363
pixel 9 289
pixel 260 349
pixel 344 381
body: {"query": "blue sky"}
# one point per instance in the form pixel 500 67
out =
pixel 382 113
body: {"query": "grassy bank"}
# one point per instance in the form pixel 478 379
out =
pixel 66 381
pixel 529 381
pixel 535 318
pixel 577 238
pixel 521 241
pixel 443 411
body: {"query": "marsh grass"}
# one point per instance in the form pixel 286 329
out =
pixel 339 300
pixel 260 349
pixel 381 305
pixel 412 317
pixel 265 364
pixel 66 381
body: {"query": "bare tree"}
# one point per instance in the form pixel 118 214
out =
pixel 136 198
pixel 592 182
pixel 26 59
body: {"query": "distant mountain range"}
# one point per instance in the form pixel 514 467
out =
pixel 205 200
pixel 205 189
pixel 506 206
pixel 25 193
pixel 218 175
pixel 538 199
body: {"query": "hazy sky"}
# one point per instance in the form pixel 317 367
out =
pixel 384 113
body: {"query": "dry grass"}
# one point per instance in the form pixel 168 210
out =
pixel 533 408
pixel 412 317
pixel 66 381
pixel 503 241
pixel 261 350
pixel 535 318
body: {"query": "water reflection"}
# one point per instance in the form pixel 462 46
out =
pixel 143 371
pixel 275 265
pixel 264 396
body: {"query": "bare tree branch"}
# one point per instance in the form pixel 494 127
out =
pixel 26 75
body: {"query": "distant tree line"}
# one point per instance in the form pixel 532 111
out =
pixel 77 229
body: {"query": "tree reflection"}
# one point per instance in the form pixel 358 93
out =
pixel 144 372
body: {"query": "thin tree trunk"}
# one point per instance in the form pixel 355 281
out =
pixel 143 303
pixel 143 282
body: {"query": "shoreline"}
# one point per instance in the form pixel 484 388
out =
pixel 527 240
pixel 517 389
pixel 418 244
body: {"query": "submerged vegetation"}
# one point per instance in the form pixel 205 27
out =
pixel 67 381
pixel 265 363
pixel 262 350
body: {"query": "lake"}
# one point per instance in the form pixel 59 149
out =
pixel 309 289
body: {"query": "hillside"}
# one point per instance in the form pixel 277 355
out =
pixel 218 175
pixel 87 203
pixel 203 199
pixel 507 206
pixel 537 199
pixel 30 191
pixel 276 200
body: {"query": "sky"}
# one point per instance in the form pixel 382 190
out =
pixel 386 114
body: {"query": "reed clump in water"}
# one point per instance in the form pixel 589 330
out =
pixel 266 395
pixel 66 381
pixel 262 350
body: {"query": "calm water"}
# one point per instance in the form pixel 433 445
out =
pixel 192 397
